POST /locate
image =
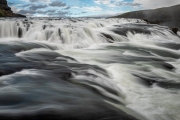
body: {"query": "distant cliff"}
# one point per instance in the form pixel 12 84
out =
pixel 168 16
pixel 5 10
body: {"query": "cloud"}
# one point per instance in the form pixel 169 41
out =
pixel 15 9
pixel 89 9
pixel 35 7
pixel 66 8
pixel 151 4
pixel 45 12
pixel 26 5
pixel 95 8
pixel 11 3
pixel 116 3
pixel 78 8
pixel 59 13
pixel 52 11
pixel 57 4
pixel 127 4
pixel 44 8
pixel 83 12
pixel 38 0
pixel 27 12
pixel 102 1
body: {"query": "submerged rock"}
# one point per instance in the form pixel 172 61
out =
pixel 175 30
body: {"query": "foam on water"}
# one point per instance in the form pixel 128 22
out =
pixel 120 64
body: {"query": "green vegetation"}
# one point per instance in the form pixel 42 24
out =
pixel 1 13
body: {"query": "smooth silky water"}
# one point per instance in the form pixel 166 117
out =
pixel 88 69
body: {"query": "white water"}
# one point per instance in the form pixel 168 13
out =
pixel 129 57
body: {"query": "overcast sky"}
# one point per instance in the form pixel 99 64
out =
pixel 81 8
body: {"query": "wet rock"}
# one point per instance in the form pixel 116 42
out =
pixel 124 29
pixel 152 22
pixel 20 32
pixel 161 82
pixel 109 37
pixel 44 27
pixel 175 30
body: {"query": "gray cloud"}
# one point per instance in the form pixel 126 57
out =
pixel 59 13
pixel 52 11
pixel 25 12
pixel 35 7
pixel 45 12
pixel 83 12
pixel 26 5
pixel 33 0
pixel 38 0
pixel 67 8
pixel 57 4
pixel 127 4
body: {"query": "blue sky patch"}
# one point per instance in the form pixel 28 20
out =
pixel 82 8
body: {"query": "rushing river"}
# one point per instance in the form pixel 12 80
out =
pixel 88 69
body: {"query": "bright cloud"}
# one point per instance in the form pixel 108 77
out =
pixel 79 8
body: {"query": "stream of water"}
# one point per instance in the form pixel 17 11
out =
pixel 88 69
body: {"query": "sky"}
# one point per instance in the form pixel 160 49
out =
pixel 83 8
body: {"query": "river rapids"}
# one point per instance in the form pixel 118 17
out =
pixel 88 69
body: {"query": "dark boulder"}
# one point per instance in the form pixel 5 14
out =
pixel 175 30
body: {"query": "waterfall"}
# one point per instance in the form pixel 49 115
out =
pixel 88 69
pixel 63 31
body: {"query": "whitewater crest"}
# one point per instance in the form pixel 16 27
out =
pixel 75 32
pixel 88 69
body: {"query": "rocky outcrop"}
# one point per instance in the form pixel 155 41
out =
pixel 5 10
pixel 4 6
pixel 167 16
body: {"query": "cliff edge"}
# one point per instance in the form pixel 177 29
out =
pixel 5 10
pixel 167 16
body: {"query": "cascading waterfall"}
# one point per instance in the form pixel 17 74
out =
pixel 60 31
pixel 88 69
